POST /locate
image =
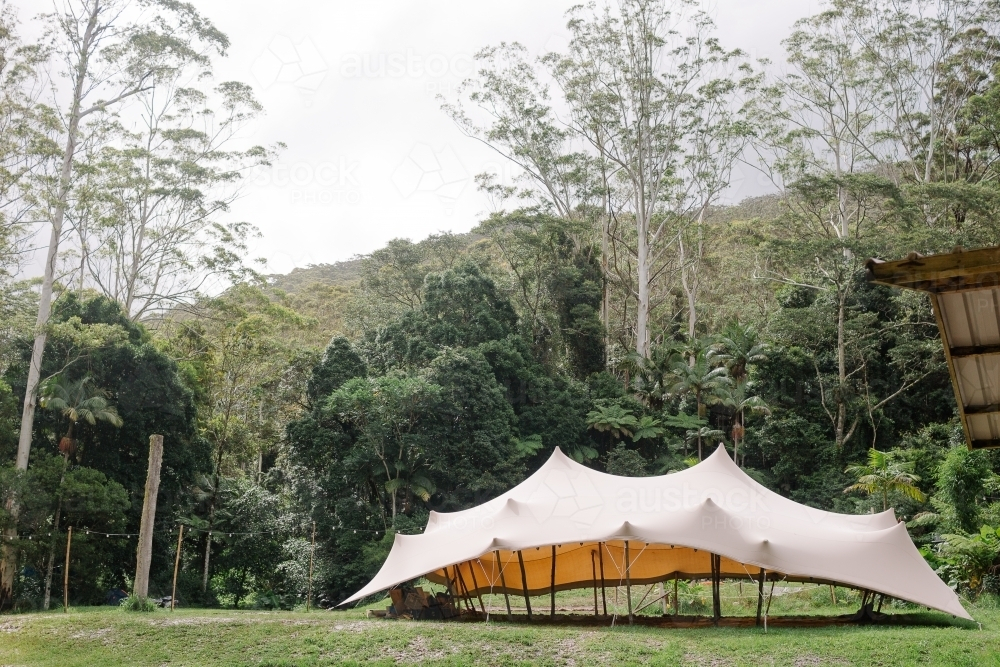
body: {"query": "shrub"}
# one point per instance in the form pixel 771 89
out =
pixel 136 603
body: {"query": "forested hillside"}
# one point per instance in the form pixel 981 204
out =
pixel 612 304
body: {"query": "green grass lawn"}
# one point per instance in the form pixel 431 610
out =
pixel 106 636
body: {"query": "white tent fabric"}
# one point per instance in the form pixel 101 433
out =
pixel 582 518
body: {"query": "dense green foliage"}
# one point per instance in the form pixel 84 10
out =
pixel 609 306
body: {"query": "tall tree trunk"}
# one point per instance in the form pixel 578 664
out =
pixel 55 532
pixel 208 536
pixel 642 307
pixel 7 566
pixel 841 372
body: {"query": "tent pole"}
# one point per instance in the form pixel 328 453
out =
pixel 768 610
pixel 604 597
pixel 677 601
pixel 716 580
pixel 459 595
pixel 760 592
pixel 465 589
pixel 524 583
pixel 593 569
pixel 552 585
pixel 503 583
pixel 475 584
pixel 628 583
pixel 881 599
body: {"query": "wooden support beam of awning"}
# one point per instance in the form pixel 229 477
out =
pixel 974 330
pixel 954 271
pixel 982 409
pixel 975 351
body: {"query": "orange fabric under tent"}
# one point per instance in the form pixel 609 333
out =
pixel 568 526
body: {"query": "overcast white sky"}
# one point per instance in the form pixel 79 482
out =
pixel 350 86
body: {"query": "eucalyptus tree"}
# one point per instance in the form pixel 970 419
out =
pixel 24 140
pixel 846 141
pixel 105 53
pixel 928 57
pixel 156 240
pixel 644 133
pixel 108 52
pixel 655 95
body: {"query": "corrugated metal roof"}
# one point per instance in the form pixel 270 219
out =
pixel 963 287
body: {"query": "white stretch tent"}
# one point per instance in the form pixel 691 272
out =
pixel 670 526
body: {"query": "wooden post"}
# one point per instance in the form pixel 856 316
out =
pixel 833 595
pixel 628 582
pixel 604 597
pixel 312 552
pixel 503 584
pixel 454 590
pixel 760 592
pixel 524 583
pixel 459 586
pixel 767 610
pixel 716 580
pixel 69 541
pixel 144 553
pixel 475 584
pixel 676 599
pixel 465 587
pixel 593 569
pixel 552 585
pixel 177 564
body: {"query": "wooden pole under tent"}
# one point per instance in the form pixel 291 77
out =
pixel 524 583
pixel 604 597
pixel 552 585
pixel 760 592
pixel 593 569
pixel 475 584
pixel 503 584
pixel 628 582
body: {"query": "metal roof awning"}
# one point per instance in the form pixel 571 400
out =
pixel 964 287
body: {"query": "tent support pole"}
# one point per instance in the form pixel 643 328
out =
pixel 475 584
pixel 760 592
pixel 552 585
pixel 503 583
pixel 604 597
pixel 465 589
pixel 881 599
pixel 768 610
pixel 524 583
pixel 716 585
pixel 677 602
pixel 451 582
pixel 593 569
pixel 459 596
pixel 628 583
